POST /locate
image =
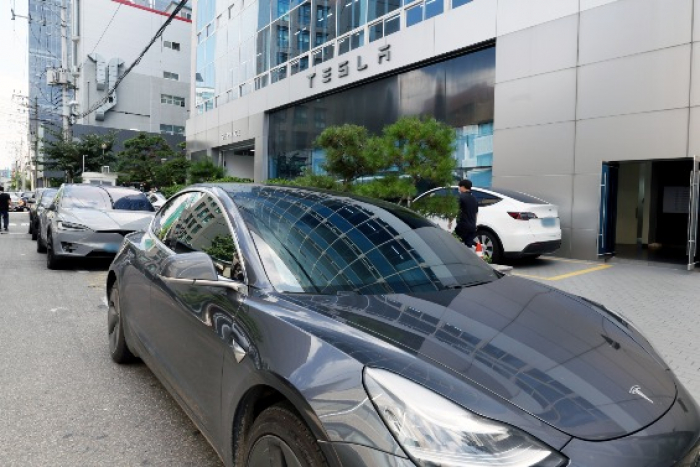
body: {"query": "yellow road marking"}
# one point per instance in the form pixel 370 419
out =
pixel 567 260
pixel 567 275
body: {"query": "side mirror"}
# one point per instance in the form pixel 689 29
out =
pixel 189 267
pixel 197 268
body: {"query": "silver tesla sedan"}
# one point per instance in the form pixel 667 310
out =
pixel 87 221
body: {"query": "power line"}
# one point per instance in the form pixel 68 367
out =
pixel 106 28
pixel 159 33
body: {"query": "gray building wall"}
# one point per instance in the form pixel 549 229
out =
pixel 579 83
pixel 113 29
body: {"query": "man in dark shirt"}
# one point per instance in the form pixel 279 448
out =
pixel 468 210
pixel 4 208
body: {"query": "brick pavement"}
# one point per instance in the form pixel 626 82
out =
pixel 661 301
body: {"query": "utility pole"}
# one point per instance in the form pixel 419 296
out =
pixel 35 182
pixel 65 71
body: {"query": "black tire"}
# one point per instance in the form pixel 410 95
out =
pixel 491 245
pixel 40 247
pixel 53 261
pixel 280 438
pixel 30 230
pixel 118 347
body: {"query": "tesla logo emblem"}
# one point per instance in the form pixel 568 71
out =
pixel 637 391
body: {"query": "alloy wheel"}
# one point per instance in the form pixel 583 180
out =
pixel 272 451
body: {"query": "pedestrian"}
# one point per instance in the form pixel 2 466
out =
pixel 4 209
pixel 468 211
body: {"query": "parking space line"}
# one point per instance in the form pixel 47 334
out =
pixel 565 276
pixel 567 260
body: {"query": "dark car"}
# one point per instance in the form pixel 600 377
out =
pixel 41 200
pixel 306 328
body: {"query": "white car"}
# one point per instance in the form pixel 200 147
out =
pixel 156 198
pixel 510 224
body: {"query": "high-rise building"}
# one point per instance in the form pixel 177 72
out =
pixel 44 39
pixel 153 97
pixel 104 38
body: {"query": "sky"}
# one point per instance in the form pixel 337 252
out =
pixel 13 77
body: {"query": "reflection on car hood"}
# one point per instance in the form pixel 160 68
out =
pixel 100 220
pixel 548 353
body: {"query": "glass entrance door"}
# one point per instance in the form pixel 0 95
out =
pixel 608 206
pixel 693 215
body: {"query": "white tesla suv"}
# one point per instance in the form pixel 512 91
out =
pixel 510 224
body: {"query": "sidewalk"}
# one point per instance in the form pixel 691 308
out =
pixel 663 302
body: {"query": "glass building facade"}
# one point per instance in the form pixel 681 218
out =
pixel 44 39
pixel 244 46
pixel 458 91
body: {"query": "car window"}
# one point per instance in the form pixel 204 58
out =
pixel 167 216
pixel 125 199
pixel 86 197
pixel 47 197
pixel 203 227
pixel 485 199
pixel 518 196
pixel 312 242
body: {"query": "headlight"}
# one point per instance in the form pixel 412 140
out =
pixel 69 226
pixel 437 432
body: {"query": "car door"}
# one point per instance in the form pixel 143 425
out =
pixel 49 214
pixel 143 270
pixel 186 318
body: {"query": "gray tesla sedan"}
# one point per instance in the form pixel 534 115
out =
pixel 90 221
pixel 307 328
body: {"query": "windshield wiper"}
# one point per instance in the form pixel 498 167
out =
pixel 464 286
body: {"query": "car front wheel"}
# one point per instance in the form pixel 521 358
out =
pixel 491 244
pixel 52 260
pixel 118 348
pixel 279 438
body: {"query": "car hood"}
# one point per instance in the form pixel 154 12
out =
pixel 99 220
pixel 553 355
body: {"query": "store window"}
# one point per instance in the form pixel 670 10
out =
pixel 458 91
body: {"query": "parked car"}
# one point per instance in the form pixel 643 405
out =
pixel 156 198
pixel 91 221
pixel 16 204
pixel 510 224
pixel 42 199
pixel 305 328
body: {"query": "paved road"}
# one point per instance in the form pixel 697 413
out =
pixel 62 400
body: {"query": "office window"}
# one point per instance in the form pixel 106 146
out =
pixel 171 75
pixel 456 3
pixel 172 130
pixel 172 100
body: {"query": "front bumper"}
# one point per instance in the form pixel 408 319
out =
pixel 87 244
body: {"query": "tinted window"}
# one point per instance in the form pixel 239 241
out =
pixel 320 243
pixel 167 216
pixel 485 199
pixel 47 197
pixel 124 199
pixel 516 195
pixel 203 227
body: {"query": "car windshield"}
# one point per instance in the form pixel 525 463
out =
pixel 322 243
pixel 91 197
pixel 124 199
pixel 47 197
